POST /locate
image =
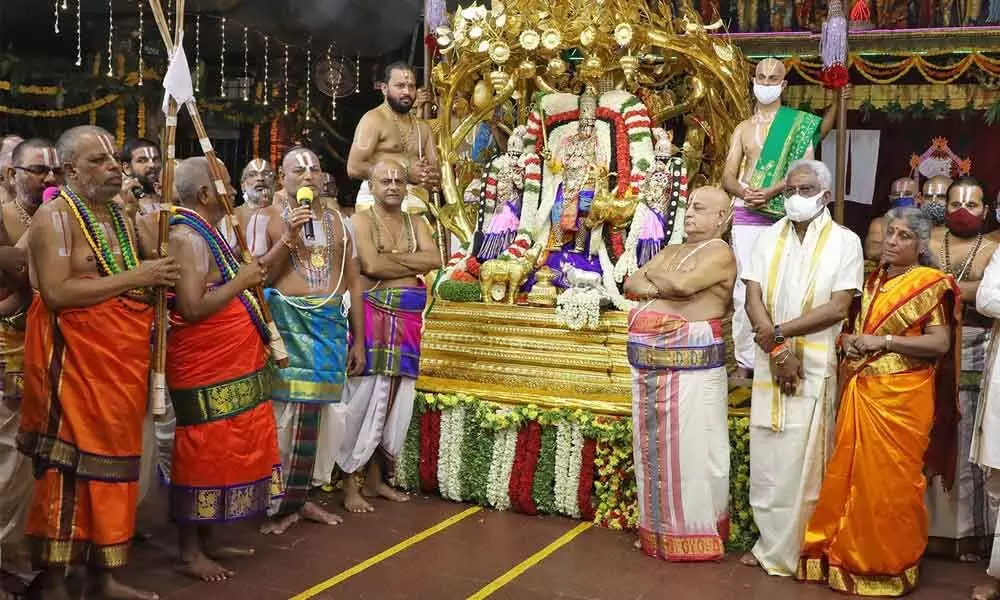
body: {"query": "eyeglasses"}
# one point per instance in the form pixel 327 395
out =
pixel 40 170
pixel 804 190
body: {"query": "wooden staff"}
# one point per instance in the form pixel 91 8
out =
pixel 442 233
pixel 278 351
pixel 841 164
pixel 159 387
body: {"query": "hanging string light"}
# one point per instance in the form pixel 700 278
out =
pixel 309 62
pixel 170 15
pixel 246 66
pixel 111 38
pixel 222 59
pixel 55 10
pixel 267 64
pixel 285 88
pixel 340 78
pixel 141 63
pixel 79 35
pixel 357 73
pixel 65 5
pixel 330 83
pixel 197 53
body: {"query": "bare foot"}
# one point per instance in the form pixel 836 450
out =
pixel 115 590
pixel 383 490
pixel 280 526
pixel 355 502
pixel 989 591
pixel 638 544
pixel 313 512
pixel 749 560
pixel 969 557
pixel 199 566
pixel 224 552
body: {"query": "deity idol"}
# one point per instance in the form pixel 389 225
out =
pixel 576 157
pixel 502 191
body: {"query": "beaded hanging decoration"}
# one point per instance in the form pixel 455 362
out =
pixel 224 259
pixel 98 241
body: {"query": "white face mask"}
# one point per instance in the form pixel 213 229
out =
pixel 801 208
pixel 766 94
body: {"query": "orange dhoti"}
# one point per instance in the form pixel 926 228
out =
pixel 226 464
pixel 85 387
pixel 869 528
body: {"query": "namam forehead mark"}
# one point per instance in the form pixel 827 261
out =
pixel 405 76
pixel 306 160
pixel 771 66
pixel 966 195
pixel 258 166
pixel 50 158
pixel 148 152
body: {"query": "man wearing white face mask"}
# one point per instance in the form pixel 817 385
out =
pixel 760 151
pixel 801 278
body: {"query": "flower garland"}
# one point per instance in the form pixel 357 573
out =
pixel 140 118
pixel 522 477
pixel 120 125
pixel 542 492
pixel 60 113
pixel 742 528
pixel 256 140
pixel 450 461
pixel 407 472
pixel 579 308
pixel 584 493
pixel 610 285
pixel 501 466
pixel 477 452
pixel 890 72
pixel 430 432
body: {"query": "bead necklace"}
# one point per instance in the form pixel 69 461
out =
pixel 224 259
pixel 96 238
pixel 967 263
pixel 411 245
pixel 22 212
pixel 315 268
pixel 403 139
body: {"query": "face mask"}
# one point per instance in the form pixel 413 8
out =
pixel 766 94
pixel 903 202
pixel 934 210
pixel 963 223
pixel 801 208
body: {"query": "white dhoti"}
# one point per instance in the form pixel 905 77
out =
pixel 747 227
pixel 962 520
pixel 290 418
pixel 791 436
pixel 16 478
pixel 371 422
pixel 331 432
pixel 786 472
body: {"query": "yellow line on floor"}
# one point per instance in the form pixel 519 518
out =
pixel 529 562
pixel 388 553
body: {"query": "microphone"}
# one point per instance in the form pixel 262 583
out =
pixel 305 197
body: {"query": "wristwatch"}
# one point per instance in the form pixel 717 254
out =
pixel 778 337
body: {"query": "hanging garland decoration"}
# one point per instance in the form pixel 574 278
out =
pixel 245 84
pixel 55 10
pixel 141 26
pixel 357 73
pixel 333 94
pixel 309 62
pixel 284 88
pixel 140 118
pixel 274 140
pixel 120 124
pixel 60 113
pixel 256 140
pixel 884 73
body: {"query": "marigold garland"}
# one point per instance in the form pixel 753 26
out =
pixel 256 140
pixel 140 119
pixel 120 125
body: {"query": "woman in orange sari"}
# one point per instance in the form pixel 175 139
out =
pixel 869 529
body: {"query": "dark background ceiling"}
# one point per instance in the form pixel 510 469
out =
pixel 371 27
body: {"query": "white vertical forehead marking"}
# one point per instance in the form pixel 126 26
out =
pixel 306 160
pixel 107 144
pixel 147 152
pixel 50 157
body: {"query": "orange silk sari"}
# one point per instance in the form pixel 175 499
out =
pixel 869 529
pixel 85 388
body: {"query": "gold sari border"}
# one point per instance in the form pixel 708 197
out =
pixel 61 553
pixel 222 400
pixel 681 548
pixel 50 452
pixel 306 392
pixel 817 570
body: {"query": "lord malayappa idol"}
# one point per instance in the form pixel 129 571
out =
pixel 592 180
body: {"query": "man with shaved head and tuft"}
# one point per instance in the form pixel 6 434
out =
pixel 394 249
pixel 86 370
pixel 314 295
pixel 760 151
pixel 677 352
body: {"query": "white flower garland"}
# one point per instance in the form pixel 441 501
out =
pixel 573 470
pixel 563 444
pixel 610 285
pixel 450 452
pixel 501 465
pixel 628 263
pixel 579 308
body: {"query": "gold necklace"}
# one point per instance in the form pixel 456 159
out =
pixel 882 286
pixel 404 139
pixel 23 214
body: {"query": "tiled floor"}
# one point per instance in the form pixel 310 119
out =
pixel 460 560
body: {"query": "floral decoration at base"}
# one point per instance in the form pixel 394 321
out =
pixel 543 461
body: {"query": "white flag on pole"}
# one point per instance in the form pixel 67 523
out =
pixel 177 82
